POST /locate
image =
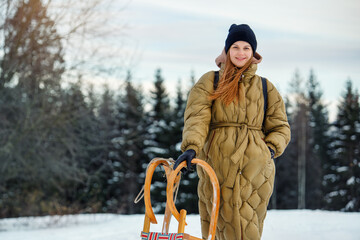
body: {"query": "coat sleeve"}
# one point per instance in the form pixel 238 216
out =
pixel 277 128
pixel 197 115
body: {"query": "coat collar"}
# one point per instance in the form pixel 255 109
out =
pixel 250 72
pixel 247 75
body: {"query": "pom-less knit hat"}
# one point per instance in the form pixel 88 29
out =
pixel 240 32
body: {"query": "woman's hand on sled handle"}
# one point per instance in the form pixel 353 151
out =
pixel 187 156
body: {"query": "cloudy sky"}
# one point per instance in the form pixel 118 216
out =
pixel 187 35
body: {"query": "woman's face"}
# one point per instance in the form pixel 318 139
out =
pixel 240 53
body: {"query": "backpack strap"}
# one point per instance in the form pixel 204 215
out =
pixel 216 79
pixel 265 94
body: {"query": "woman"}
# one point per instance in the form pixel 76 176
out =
pixel 226 128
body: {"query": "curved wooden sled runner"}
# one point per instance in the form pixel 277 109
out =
pixel 173 177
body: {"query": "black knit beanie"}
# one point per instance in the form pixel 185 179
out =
pixel 240 32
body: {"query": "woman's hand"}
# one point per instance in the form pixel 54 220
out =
pixel 187 156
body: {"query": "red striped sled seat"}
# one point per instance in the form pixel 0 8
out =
pixel 161 236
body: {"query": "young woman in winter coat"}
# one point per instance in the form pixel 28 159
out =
pixel 224 127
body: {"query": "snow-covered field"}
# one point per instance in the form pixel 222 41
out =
pixel 279 225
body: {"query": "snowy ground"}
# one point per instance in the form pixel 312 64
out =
pixel 279 225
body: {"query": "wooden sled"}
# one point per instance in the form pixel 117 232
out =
pixel 173 177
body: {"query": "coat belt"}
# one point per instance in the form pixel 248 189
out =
pixel 232 124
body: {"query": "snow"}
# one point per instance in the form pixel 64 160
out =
pixel 330 177
pixel 279 224
pixel 350 205
pixel 346 128
pixel 342 169
pixel 350 181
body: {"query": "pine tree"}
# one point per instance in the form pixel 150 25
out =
pixel 159 129
pixel 318 141
pixel 177 122
pixel 84 148
pixel 128 175
pixel 96 142
pixel 161 103
pixel 307 150
pixel 160 117
pixel 187 198
pixel 290 167
pixel 285 189
pixel 101 186
pixel 343 173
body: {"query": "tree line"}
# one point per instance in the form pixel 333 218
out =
pixel 70 149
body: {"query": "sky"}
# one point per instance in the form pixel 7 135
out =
pixel 184 36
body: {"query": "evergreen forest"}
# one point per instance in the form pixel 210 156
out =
pixel 68 148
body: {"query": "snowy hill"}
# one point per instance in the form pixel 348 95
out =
pixel 279 225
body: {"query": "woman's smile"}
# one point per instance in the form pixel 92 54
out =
pixel 240 58
pixel 240 53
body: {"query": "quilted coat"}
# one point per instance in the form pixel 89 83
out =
pixel 231 139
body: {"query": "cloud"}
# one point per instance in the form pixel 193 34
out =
pixel 180 36
pixel 322 17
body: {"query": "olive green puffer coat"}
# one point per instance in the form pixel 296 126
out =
pixel 230 139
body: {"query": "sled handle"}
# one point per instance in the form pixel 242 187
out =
pixel 216 193
pixel 149 174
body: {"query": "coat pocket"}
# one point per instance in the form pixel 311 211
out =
pixel 269 168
